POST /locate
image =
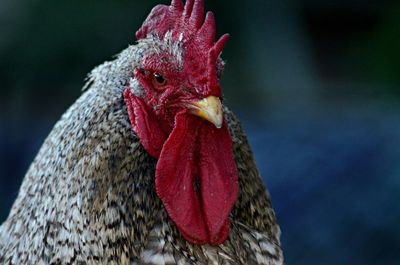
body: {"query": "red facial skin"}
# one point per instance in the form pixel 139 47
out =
pixel 196 177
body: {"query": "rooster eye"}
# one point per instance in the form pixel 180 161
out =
pixel 159 79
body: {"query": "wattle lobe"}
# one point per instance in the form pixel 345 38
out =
pixel 196 179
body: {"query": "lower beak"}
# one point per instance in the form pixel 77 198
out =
pixel 210 109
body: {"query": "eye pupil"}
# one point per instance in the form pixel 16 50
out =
pixel 159 79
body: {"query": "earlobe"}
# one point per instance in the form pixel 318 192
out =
pixel 144 124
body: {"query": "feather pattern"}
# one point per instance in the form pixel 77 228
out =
pixel 89 195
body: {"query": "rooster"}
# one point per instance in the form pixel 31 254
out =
pixel 147 166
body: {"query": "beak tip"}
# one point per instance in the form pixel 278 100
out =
pixel 218 122
pixel 210 109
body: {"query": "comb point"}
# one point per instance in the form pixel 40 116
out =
pixel 177 5
pixel 188 8
pixel 207 30
pixel 197 15
pixel 219 45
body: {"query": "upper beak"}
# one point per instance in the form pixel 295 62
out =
pixel 210 109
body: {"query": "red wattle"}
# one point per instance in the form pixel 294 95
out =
pixel 218 179
pixel 197 151
pixel 175 175
pixel 196 177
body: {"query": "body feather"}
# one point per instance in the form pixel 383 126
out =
pixel 89 195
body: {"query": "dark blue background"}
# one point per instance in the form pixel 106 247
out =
pixel 316 86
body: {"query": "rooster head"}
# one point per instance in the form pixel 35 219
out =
pixel 179 119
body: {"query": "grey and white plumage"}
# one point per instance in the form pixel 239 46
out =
pixel 89 195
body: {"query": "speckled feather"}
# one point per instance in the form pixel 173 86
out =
pixel 89 196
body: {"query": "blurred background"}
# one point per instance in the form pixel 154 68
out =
pixel 316 85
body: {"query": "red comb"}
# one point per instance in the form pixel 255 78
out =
pixel 187 24
pixel 178 19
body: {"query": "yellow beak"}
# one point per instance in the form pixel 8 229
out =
pixel 210 109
